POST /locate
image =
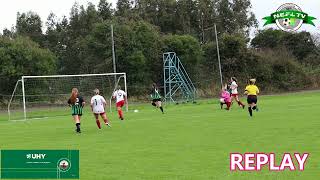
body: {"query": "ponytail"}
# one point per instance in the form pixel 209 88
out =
pixel 74 94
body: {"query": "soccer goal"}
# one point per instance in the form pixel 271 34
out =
pixel 38 97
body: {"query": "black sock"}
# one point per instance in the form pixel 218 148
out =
pixel 221 105
pixel 161 108
pixel 153 104
pixel 78 127
pixel 254 107
pixel 250 110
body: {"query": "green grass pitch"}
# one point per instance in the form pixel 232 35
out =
pixel 188 142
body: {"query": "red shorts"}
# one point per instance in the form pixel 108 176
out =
pixel 234 95
pixel 120 103
pixel 99 113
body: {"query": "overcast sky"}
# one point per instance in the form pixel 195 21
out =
pixel 261 8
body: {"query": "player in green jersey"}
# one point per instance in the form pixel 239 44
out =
pixel 76 103
pixel 156 97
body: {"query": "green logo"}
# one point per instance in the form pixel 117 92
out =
pixel 39 164
pixel 289 17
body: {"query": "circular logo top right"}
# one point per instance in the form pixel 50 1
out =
pixel 289 17
pixel 289 24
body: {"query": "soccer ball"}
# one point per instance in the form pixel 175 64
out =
pixel 289 21
pixel 286 21
pixel 136 110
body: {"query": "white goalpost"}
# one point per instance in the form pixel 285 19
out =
pixel 45 96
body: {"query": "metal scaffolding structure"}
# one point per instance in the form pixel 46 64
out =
pixel 178 86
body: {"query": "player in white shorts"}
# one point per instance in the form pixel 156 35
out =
pixel 98 103
pixel 120 97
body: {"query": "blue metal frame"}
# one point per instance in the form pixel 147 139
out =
pixel 177 83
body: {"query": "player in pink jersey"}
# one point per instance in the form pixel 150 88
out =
pixel 225 98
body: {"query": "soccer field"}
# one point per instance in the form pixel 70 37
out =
pixel 189 141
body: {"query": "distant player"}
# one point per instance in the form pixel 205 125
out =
pixel 98 103
pixel 120 97
pixel 225 98
pixel 76 103
pixel 156 97
pixel 234 92
pixel 252 91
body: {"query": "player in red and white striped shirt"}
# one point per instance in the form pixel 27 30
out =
pixel 98 103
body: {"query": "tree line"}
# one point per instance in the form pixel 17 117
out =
pixel 144 29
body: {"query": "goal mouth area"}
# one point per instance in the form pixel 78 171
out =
pixel 38 97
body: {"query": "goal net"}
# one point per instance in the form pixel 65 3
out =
pixel 47 96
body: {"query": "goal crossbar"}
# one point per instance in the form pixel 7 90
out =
pixel 69 75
